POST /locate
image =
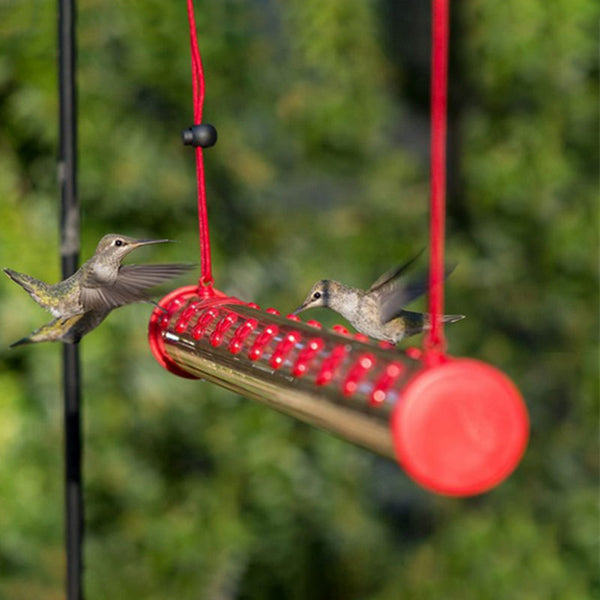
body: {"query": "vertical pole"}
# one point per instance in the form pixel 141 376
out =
pixel 69 249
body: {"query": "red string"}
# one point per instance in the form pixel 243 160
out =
pixel 435 343
pixel 206 278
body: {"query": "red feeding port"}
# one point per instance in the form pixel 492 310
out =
pixel 364 364
pixel 223 326
pixel 283 349
pixel 390 375
pixel 314 346
pixel 243 331
pixel 262 341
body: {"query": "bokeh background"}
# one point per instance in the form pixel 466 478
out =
pixel 321 170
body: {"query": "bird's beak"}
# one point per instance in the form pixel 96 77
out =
pixel 299 309
pixel 139 243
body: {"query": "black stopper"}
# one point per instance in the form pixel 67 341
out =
pixel 203 135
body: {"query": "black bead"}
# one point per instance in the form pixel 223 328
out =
pixel 203 135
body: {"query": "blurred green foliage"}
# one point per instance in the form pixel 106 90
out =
pixel 321 170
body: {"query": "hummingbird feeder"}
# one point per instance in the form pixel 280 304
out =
pixel 457 426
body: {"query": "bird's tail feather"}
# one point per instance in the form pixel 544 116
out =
pixel 452 318
pixel 30 284
pixel 21 342
pixel 415 322
pixel 445 319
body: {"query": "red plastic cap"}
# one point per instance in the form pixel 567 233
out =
pixel 155 340
pixel 204 296
pixel 460 428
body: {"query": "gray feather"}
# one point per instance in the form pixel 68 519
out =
pixel 132 285
pixel 390 276
pixel 397 294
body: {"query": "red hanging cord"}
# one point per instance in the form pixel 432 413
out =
pixel 206 279
pixel 435 343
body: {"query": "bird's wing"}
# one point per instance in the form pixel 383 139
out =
pixel 393 292
pixel 397 294
pixel 389 277
pixel 132 285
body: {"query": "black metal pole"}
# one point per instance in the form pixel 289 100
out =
pixel 69 250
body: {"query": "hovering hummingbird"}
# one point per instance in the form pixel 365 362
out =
pixel 83 300
pixel 377 312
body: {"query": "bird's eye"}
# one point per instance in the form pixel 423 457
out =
pixel 316 295
pixel 119 242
